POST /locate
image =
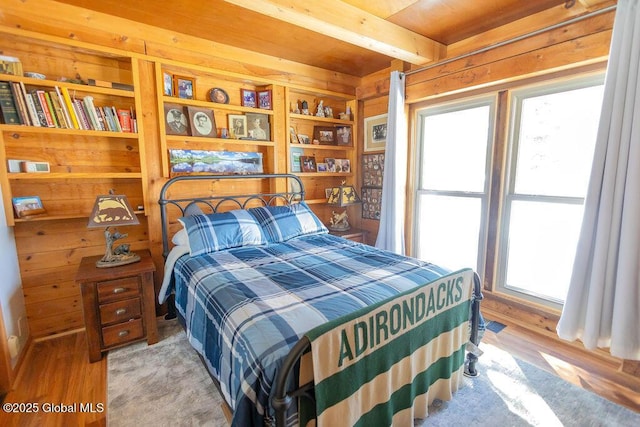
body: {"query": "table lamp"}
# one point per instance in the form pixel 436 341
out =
pixel 343 195
pixel 109 211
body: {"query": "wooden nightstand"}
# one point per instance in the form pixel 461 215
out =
pixel 354 234
pixel 118 303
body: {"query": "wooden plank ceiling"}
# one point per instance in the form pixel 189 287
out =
pixel 356 37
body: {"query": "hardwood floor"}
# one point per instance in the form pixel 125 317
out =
pixel 58 371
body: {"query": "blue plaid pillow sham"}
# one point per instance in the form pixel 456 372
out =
pixel 281 223
pixel 218 231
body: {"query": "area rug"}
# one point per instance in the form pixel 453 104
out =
pixel 166 384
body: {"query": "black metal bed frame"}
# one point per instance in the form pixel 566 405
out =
pixel 285 392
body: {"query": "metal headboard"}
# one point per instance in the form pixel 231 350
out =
pixel 213 202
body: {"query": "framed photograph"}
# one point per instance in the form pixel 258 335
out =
pixel 176 122
pixel 331 164
pixel 322 167
pixel 167 83
pixel 372 170
pixel 293 137
pixel 326 135
pixel 304 139
pixel 27 206
pixel 184 87
pixel 343 165
pixel 248 98
pixel 258 126
pixel 238 125
pixel 220 162
pixel 296 153
pixel 375 133
pixel 218 95
pixel 371 203
pixel 202 121
pixel 344 135
pixel 264 99
pixel 308 163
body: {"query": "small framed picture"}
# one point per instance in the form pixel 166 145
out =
pixel 293 136
pixel 326 135
pixel 296 153
pixel 167 83
pixel 176 122
pixel 343 165
pixel 248 98
pixel 331 164
pixel 304 139
pixel 238 125
pixel 308 163
pixel 375 133
pixel 258 126
pixel 184 87
pixel 202 121
pixel 264 99
pixel 27 206
pixel 322 167
pixel 344 135
pixel 218 95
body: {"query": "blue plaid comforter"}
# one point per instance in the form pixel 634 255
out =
pixel 245 308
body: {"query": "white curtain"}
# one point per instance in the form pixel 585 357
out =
pixel 603 303
pixel 391 230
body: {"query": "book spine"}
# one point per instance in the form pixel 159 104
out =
pixel 69 104
pixel 39 110
pixel 108 115
pixel 114 114
pixel 91 111
pixel 33 113
pixel 79 107
pixel 21 103
pixel 57 107
pixel 105 120
pixel 63 107
pixel 52 110
pixel 124 117
pixel 100 117
pixel 7 105
pixel 45 108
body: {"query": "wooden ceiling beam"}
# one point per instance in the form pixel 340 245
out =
pixel 349 24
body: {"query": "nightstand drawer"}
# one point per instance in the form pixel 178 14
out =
pixel 119 311
pixel 122 332
pixel 114 290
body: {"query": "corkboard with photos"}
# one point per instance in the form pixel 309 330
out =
pixel 372 175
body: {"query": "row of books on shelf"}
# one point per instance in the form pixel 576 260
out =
pixel 58 109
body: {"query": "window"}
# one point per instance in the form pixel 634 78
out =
pixel 553 134
pixel 551 137
pixel 452 185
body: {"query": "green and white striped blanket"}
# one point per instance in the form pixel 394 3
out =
pixel 384 364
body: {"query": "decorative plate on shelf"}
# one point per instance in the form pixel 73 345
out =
pixel 218 95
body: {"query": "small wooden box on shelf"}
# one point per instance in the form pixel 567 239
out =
pixel 118 304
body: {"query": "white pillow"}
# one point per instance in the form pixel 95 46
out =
pixel 181 238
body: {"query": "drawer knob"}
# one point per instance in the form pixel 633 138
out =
pixel 123 333
pixel 119 290
pixel 121 311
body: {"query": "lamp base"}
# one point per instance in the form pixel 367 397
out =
pixel 339 228
pixel 117 260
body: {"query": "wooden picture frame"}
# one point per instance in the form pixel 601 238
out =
pixel 308 163
pixel 218 95
pixel 184 87
pixel 264 99
pixel 167 83
pixel 202 122
pixel 175 120
pixel 185 162
pixel 258 126
pixel 238 125
pixel 304 139
pixel 293 136
pixel 27 206
pixel 325 135
pixel 375 133
pixel 344 135
pixel 248 98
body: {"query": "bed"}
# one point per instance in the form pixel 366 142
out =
pixel 269 300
